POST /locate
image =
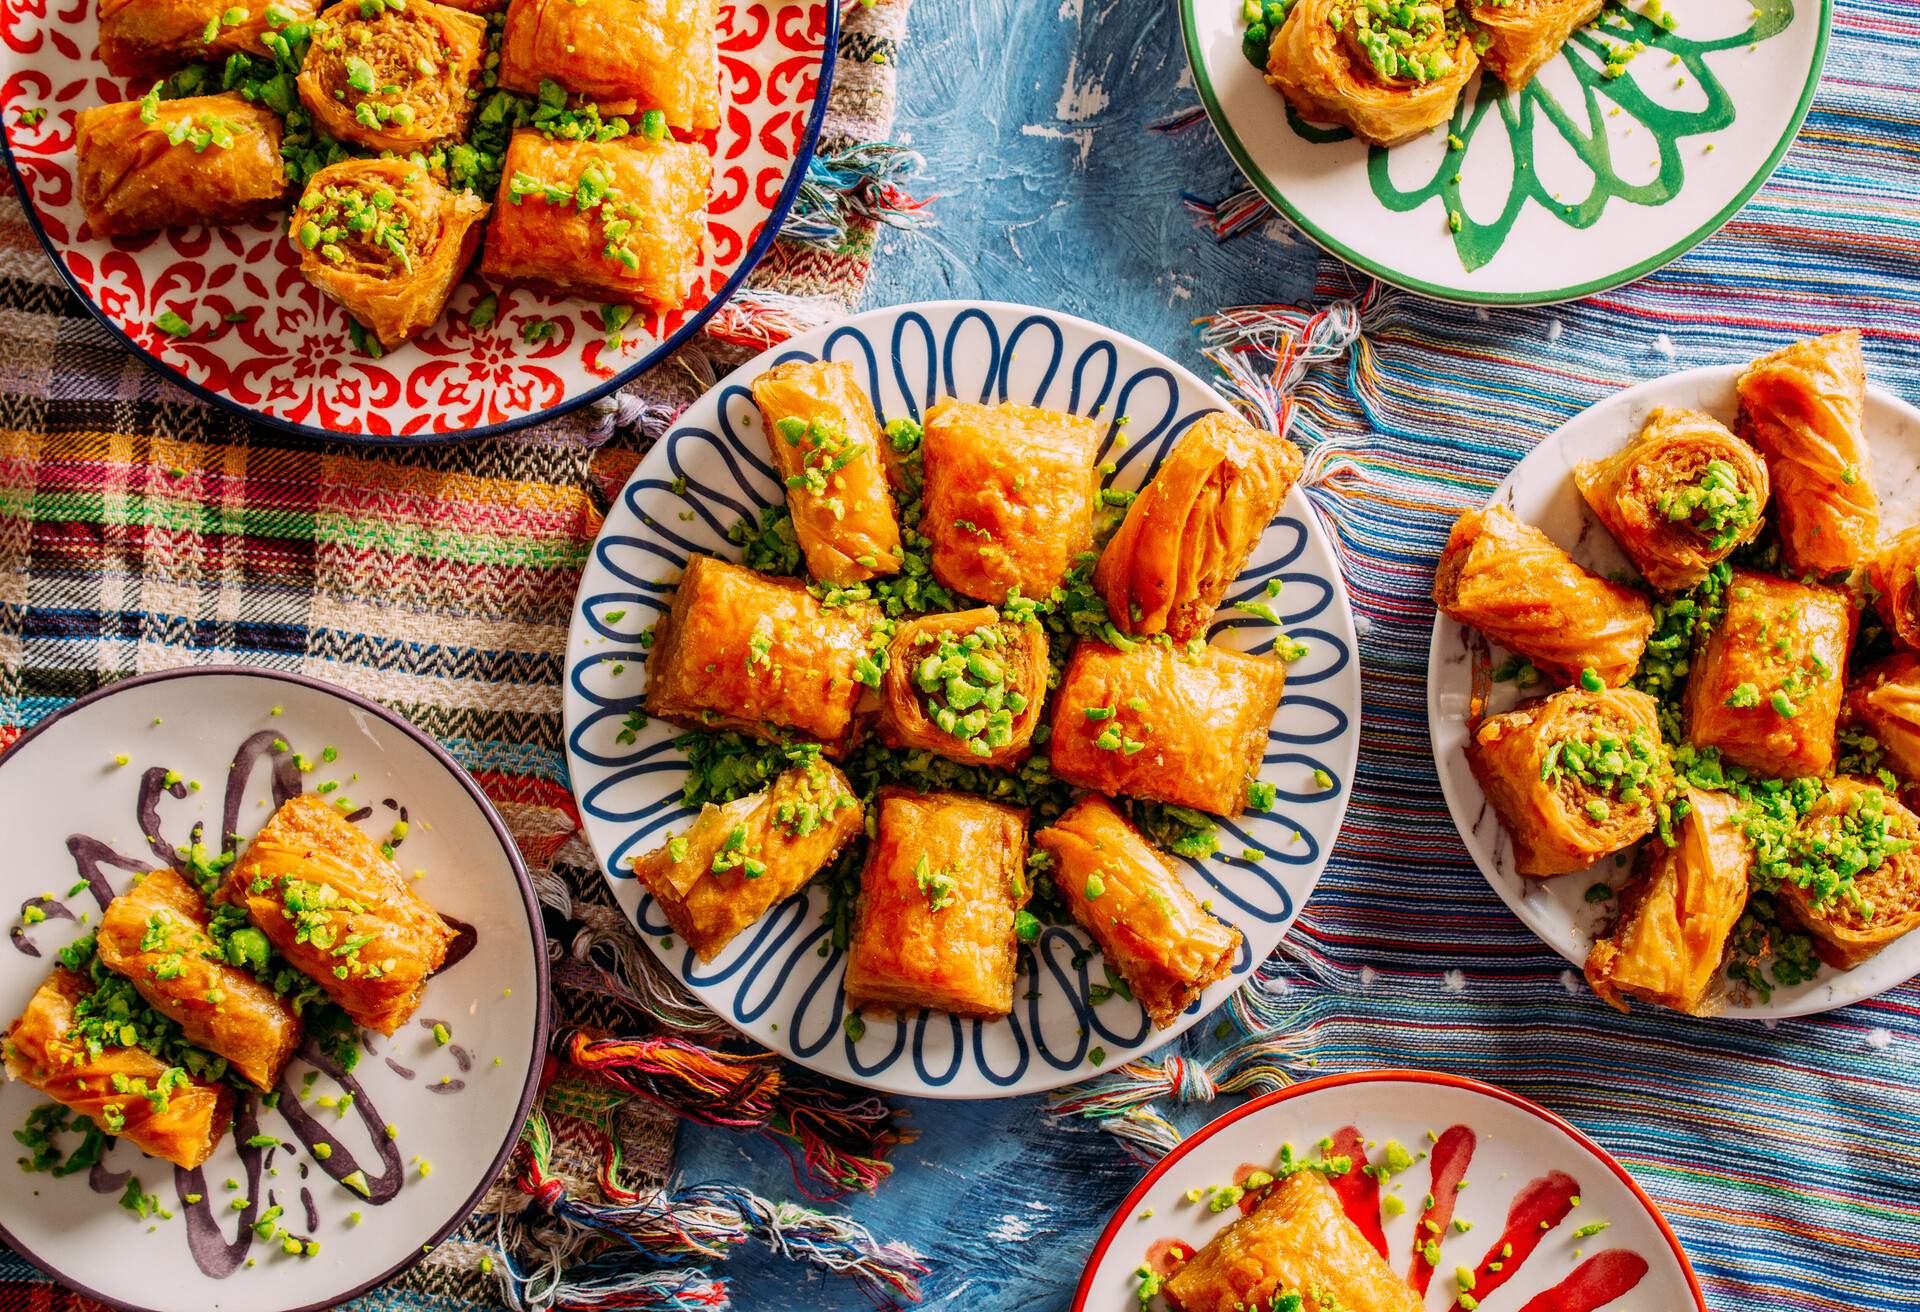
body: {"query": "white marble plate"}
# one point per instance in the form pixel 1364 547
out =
pixel 456 1109
pixel 1516 1154
pixel 1541 491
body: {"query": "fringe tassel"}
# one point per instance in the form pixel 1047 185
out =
pixel 760 319
pixel 1264 351
pixel 842 1138
pixel 860 182
pixel 1122 1102
pixel 710 1221
pixel 630 412
pixel 610 1281
pixel 617 962
pixel 1231 216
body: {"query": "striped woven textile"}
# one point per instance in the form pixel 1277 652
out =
pixel 140 530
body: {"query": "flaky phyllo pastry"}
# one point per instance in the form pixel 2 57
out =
pixel 626 55
pixel 1766 686
pixel 934 926
pixel 1885 701
pixel 1516 585
pixel 1676 915
pixel 740 650
pixel 826 444
pixel 1518 37
pixel 125 1090
pixel 153 163
pixel 1297 1241
pixel 737 861
pixel 1574 777
pixel 1191 529
pixel 1894 584
pixel 387 241
pixel 967 686
pixel 619 220
pixel 1166 723
pixel 1804 407
pixel 1388 71
pixel 156 935
pixel 1679 498
pixel 1009 496
pixel 148 38
pixel 1149 927
pixel 340 911
pixel 390 77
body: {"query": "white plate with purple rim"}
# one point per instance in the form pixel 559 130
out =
pixel 81 823
pixel 779 981
pixel 1541 492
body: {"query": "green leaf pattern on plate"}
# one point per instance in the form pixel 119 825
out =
pixel 1583 126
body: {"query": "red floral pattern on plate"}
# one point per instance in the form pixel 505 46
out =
pixel 286 354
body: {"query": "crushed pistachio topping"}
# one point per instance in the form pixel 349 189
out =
pixel 965 688
pixel 593 194
pixel 937 885
pixel 355 222
pixel 1401 42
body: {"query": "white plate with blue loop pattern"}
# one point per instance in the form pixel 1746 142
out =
pixel 774 982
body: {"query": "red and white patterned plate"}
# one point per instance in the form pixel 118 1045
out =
pixel 289 362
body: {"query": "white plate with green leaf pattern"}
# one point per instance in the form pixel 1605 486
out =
pixel 1578 183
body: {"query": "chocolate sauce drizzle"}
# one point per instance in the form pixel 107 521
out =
pixel 339 1161
pixel 214 1253
pixel 217 1255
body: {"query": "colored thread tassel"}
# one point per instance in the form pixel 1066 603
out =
pixel 710 1221
pixel 1264 352
pixel 858 182
pixel 1232 215
pixel 630 414
pixel 606 950
pixel 1120 1102
pixel 609 1281
pixel 760 319
pixel 841 1138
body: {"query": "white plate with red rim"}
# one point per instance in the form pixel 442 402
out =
pixel 1541 492
pixel 289 362
pixel 78 815
pixel 1535 1182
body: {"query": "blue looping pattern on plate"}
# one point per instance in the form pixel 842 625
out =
pixel 781 978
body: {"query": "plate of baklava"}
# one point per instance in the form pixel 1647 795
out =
pixel 274 993
pixel 409 219
pixel 1350 1194
pixel 963 698
pixel 1507 151
pixel 1674 689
